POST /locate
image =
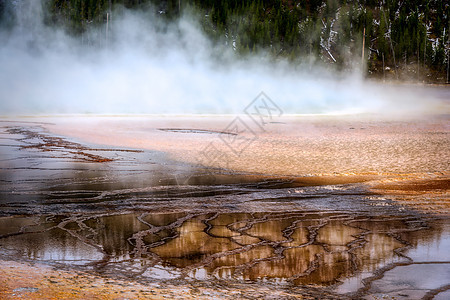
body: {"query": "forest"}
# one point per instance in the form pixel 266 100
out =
pixel 391 39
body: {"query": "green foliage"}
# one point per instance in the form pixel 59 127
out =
pixel 6 15
pixel 415 31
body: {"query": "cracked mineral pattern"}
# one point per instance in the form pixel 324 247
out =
pixel 122 213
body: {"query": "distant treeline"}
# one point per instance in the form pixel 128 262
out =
pixel 401 38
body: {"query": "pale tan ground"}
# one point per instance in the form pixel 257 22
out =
pixel 26 281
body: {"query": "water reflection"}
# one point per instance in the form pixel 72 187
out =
pixel 297 248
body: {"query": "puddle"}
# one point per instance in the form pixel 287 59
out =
pixel 187 130
pixel 412 282
pixel 432 250
pixel 290 248
pixel 445 295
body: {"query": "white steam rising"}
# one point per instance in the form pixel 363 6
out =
pixel 146 71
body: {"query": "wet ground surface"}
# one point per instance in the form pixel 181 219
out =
pixel 138 216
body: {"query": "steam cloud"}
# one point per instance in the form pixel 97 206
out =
pixel 176 71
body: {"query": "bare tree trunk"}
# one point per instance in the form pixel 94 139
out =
pixel 404 57
pixel 448 58
pixel 363 45
pixel 108 16
pixel 392 47
pixel 448 52
pixel 418 58
pixel 425 46
pixel 107 25
pixel 418 50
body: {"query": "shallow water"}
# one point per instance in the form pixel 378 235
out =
pixel 139 215
pixel 301 248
